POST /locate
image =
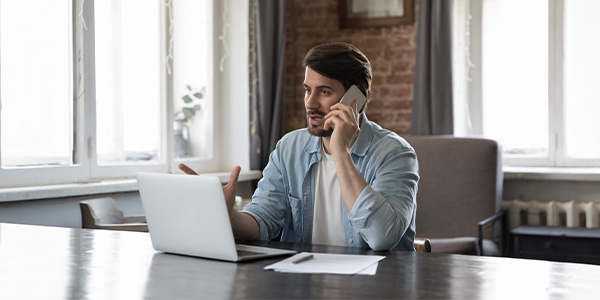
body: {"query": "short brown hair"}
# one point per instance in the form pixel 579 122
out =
pixel 343 62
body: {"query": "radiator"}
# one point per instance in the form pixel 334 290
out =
pixel 552 213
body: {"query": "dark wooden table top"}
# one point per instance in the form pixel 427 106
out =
pixel 38 262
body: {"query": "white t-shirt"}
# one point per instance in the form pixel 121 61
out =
pixel 328 227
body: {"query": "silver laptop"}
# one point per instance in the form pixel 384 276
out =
pixel 187 215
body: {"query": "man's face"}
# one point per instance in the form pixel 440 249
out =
pixel 320 93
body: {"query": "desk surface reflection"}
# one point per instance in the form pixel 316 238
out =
pixel 38 262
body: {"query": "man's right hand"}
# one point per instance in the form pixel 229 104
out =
pixel 229 190
pixel 187 170
pixel 244 226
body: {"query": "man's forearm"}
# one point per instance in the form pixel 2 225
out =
pixel 244 226
pixel 351 181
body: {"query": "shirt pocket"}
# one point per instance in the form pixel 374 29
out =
pixel 296 215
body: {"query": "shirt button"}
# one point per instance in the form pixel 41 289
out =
pixel 350 240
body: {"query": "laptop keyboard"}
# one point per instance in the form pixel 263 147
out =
pixel 248 253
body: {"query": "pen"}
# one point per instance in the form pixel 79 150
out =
pixel 301 259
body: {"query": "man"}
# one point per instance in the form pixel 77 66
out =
pixel 343 180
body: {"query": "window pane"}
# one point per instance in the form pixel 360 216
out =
pixel 581 65
pixel 193 70
pixel 515 75
pixel 128 92
pixel 36 82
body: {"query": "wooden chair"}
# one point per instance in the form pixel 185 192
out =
pixel 103 213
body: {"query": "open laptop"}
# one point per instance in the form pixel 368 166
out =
pixel 187 215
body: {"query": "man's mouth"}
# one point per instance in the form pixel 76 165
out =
pixel 315 118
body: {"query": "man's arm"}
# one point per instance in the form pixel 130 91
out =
pixel 381 211
pixel 384 212
pixel 345 121
pixel 244 226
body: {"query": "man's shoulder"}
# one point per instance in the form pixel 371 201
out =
pixel 298 139
pixel 295 136
pixel 382 136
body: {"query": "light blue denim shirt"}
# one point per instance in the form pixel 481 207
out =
pixel 383 217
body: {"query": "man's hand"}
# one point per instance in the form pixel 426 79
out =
pixel 229 190
pixel 187 170
pixel 345 121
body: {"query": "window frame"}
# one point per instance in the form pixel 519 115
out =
pixel 473 88
pixel 225 154
pixel 99 172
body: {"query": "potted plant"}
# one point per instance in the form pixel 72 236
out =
pixel 192 104
pixel 188 111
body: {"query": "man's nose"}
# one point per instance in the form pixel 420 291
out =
pixel 310 101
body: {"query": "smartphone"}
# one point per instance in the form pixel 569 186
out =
pixel 353 93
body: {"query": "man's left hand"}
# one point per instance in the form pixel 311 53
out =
pixel 345 121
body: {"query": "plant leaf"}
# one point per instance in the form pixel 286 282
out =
pixel 199 95
pixel 187 99
pixel 197 107
pixel 188 112
pixel 176 116
pixel 189 88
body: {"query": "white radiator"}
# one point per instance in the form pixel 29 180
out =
pixel 552 213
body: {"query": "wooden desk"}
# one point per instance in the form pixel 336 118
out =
pixel 39 262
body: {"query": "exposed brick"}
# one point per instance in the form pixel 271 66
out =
pixel 400 79
pixel 391 50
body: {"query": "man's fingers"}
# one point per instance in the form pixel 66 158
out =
pixel 187 170
pixel 235 174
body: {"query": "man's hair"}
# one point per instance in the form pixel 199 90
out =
pixel 343 62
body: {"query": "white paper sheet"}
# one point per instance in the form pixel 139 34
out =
pixel 325 263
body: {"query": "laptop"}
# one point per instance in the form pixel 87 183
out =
pixel 187 215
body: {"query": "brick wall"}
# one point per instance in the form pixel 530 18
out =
pixel 391 51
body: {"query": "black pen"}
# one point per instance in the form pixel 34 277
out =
pixel 301 259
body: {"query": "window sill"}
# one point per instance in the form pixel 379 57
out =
pixel 93 188
pixel 550 173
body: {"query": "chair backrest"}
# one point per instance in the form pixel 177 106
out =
pixel 460 185
pixel 100 211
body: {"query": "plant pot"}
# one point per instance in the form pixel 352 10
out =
pixel 181 138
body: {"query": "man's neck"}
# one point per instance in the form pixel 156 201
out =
pixel 325 141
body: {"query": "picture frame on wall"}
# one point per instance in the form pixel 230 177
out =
pixel 363 13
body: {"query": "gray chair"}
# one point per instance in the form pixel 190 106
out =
pixel 459 194
pixel 422 244
pixel 103 213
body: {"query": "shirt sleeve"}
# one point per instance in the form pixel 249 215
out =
pixel 386 207
pixel 269 204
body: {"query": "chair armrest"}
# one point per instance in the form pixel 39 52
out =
pixel 134 219
pixel 499 216
pixel 422 245
pixel 124 227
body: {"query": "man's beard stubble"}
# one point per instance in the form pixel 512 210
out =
pixel 314 130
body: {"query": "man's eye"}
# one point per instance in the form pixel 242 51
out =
pixel 324 92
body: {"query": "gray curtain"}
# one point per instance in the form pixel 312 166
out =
pixel 267 47
pixel 432 103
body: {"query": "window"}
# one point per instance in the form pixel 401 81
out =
pixel 525 76
pixel 94 90
pixel 36 86
pixel 128 65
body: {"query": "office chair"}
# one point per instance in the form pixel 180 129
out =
pixel 103 213
pixel 459 194
pixel 422 245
